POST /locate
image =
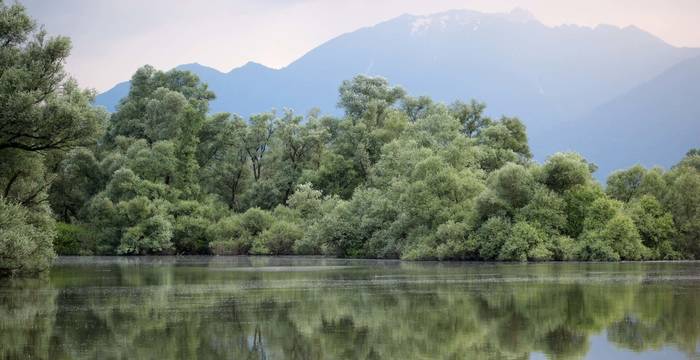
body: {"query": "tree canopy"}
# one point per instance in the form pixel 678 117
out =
pixel 395 177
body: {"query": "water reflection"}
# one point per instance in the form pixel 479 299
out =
pixel 315 308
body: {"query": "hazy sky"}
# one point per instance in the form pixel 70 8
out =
pixel 112 38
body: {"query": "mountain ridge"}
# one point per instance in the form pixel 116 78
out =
pixel 547 75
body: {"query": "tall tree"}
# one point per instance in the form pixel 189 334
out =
pixel 471 116
pixel 42 115
pixel 257 140
pixel 368 96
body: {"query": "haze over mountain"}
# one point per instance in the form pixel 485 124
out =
pixel 554 78
pixel 653 124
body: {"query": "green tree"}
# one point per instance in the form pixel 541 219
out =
pixel 491 237
pixel 39 109
pixel 79 177
pixel 416 108
pixel 298 147
pixel 257 138
pixel 42 116
pixel 546 210
pixel 25 239
pixel 655 226
pixel 510 188
pixel 525 242
pixel 683 201
pixel 368 96
pixel 563 171
pixel 578 199
pixel 609 234
pixel 157 103
pixel 224 160
pixel 470 116
pixel 624 185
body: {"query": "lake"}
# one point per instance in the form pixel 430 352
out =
pixel 321 308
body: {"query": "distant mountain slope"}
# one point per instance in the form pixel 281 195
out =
pixel 655 123
pixel 514 63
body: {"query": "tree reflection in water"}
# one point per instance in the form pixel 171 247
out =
pixel 267 308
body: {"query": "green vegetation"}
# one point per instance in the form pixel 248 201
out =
pixel 363 311
pixel 43 115
pixel 396 177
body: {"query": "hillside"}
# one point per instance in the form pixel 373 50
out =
pixel 653 124
pixel 518 66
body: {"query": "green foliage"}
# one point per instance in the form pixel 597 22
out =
pixel 229 237
pixel 279 239
pixel 491 237
pixel 146 227
pixel 240 234
pixel 624 185
pixel 26 238
pixel 43 115
pixel 563 171
pixel 609 234
pixel 510 188
pixel 79 177
pixel 470 116
pixel 655 226
pixel 525 242
pixel 73 239
pixel 159 105
pixel 546 210
pixel 683 202
pixel 396 177
pixel 368 96
pixel 507 136
pixel 578 199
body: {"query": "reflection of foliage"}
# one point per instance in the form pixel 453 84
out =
pixel 146 307
pixel 26 318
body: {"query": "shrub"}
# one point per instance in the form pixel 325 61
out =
pixel 229 237
pixel 190 235
pixel 255 221
pixel 280 238
pixel 525 242
pixel 491 237
pixel 26 239
pixel 72 239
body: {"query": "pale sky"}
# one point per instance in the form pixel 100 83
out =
pixel 112 38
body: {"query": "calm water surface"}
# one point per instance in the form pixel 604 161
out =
pixel 317 308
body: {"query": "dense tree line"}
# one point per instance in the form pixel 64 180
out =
pixel 395 177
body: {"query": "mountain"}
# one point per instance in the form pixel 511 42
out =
pixel 518 66
pixel 655 123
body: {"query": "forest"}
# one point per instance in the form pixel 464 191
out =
pixel 397 176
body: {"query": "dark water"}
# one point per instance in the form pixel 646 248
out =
pixel 315 308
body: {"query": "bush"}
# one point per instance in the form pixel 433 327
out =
pixel 280 238
pixel 72 239
pixel 255 221
pixel 310 243
pixel 491 237
pixel 655 226
pixel 525 242
pixel 624 238
pixel 229 237
pixel 26 239
pixel 593 247
pixel 150 236
pixel 190 235
pixel 306 201
pixel 563 248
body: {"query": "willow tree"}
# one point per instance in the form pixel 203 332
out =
pixel 42 115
